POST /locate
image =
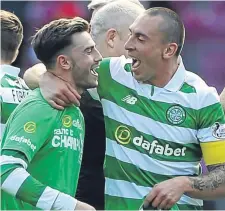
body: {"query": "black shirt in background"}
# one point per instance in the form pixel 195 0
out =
pixel 91 180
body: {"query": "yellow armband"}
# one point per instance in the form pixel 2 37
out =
pixel 213 152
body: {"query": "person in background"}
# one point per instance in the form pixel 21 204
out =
pixel 95 5
pixel 12 88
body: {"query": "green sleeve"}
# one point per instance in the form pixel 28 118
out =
pixel 31 189
pixel 211 120
pixel 29 128
pixel 8 167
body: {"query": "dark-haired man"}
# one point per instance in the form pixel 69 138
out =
pixel 42 147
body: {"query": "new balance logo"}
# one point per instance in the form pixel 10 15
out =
pixel 130 99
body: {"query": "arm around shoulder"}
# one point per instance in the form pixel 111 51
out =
pixel 33 74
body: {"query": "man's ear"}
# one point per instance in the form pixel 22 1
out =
pixel 170 50
pixel 64 62
pixel 110 37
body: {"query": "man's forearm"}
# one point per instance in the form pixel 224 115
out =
pixel 209 186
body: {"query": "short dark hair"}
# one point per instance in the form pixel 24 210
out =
pixel 173 28
pixel 56 36
pixel 11 35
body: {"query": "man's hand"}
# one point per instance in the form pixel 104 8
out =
pixel 165 194
pixel 57 92
pixel 83 206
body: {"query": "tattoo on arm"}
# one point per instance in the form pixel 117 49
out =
pixel 212 181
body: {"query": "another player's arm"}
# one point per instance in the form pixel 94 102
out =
pixel 60 93
pixel 57 92
pixel 32 75
pixel 63 95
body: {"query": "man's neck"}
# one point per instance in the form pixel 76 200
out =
pixel 165 72
pixel 66 79
pixel 3 62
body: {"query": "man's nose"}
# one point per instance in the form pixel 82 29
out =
pixel 129 45
pixel 98 56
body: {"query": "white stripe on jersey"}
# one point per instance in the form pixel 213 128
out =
pixel 143 161
pixel 146 125
pixel 47 198
pixel 64 202
pixel 126 189
pixel 14 181
pixel 5 159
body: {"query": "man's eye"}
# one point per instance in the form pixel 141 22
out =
pixel 140 39
pixel 89 50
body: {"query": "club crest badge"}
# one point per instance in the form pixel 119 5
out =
pixel 218 130
pixel 176 115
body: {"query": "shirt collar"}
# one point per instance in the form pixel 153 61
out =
pixel 178 78
pixel 10 70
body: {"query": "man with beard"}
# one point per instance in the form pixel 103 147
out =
pixel 41 150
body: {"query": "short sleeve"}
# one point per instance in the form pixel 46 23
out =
pixel 211 132
pixel 28 128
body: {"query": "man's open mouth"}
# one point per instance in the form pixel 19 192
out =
pixel 135 63
pixel 93 71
